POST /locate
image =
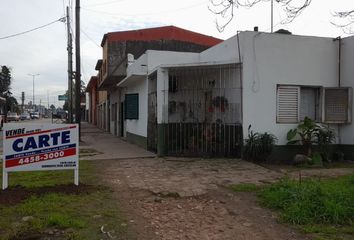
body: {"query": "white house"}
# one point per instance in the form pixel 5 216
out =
pixel 202 103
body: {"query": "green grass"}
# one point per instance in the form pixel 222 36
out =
pixel 324 208
pixel 76 214
pixel 245 187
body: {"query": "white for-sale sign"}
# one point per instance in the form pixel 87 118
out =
pixel 40 147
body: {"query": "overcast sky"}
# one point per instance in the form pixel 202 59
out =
pixel 44 51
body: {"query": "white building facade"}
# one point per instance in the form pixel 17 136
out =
pixel 204 102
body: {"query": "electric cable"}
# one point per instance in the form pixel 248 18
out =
pixel 89 38
pixel 62 19
pixel 145 14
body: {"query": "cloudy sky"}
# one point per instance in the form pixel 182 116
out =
pixel 44 51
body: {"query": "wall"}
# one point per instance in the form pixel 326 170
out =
pixel 105 60
pixel 93 105
pixel 102 110
pixel 271 59
pixel 226 51
pixel 347 80
pixel 139 127
pixel 157 58
pixel 113 99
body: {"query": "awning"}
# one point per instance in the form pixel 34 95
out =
pixel 131 79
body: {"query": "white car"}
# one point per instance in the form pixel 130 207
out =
pixel 12 116
pixel 25 116
pixel 35 115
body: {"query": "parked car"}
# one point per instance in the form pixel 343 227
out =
pixel 25 116
pixel 35 115
pixel 12 116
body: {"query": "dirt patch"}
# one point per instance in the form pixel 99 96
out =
pixel 148 191
pixel 17 194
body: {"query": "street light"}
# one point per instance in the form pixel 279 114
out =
pixel 33 76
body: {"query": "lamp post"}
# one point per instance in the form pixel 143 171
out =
pixel 33 76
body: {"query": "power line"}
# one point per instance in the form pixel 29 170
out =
pixel 89 38
pixel 104 3
pixel 145 14
pixel 33 29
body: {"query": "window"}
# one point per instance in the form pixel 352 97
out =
pixel 132 106
pixel 310 103
pixel 294 103
pixel 172 84
pixel 288 98
pixel 337 105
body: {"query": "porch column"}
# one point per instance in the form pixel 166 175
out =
pixel 162 110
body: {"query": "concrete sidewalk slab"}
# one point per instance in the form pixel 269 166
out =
pixel 107 145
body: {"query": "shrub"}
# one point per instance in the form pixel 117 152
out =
pixel 258 146
pixel 309 133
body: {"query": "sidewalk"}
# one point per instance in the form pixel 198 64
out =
pixel 99 145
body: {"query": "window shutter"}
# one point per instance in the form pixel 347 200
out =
pixel 337 105
pixel 131 106
pixel 288 99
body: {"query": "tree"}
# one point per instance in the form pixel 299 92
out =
pixel 5 81
pixel 12 104
pixel 5 86
pixel 346 21
pixel 292 8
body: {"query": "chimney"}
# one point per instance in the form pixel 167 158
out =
pixel 255 29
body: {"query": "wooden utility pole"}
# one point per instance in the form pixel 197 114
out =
pixel 78 65
pixel 70 67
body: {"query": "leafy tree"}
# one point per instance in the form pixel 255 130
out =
pixel 5 81
pixel 292 8
pixel 12 104
pixel 5 86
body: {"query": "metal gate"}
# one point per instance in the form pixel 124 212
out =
pixel 204 111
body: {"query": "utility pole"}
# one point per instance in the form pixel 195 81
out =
pixel 70 67
pixel 22 100
pixel 33 76
pixel 78 65
pixel 48 98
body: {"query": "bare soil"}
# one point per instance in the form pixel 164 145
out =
pixel 17 194
pixel 215 214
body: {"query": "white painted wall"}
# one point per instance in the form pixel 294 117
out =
pixel 157 58
pixel 223 52
pixel 347 80
pixel 162 95
pixel 139 126
pixel 271 59
pixel 268 60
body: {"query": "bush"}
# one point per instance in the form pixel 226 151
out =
pixel 258 146
pixel 309 133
